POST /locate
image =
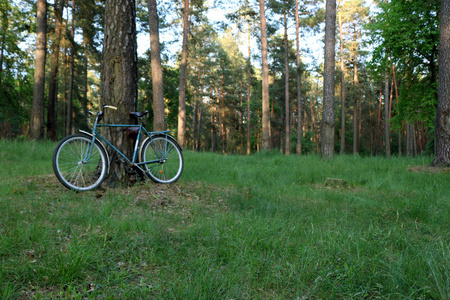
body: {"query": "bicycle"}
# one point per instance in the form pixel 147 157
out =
pixel 81 161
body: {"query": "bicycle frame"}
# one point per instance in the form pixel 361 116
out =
pixel 161 153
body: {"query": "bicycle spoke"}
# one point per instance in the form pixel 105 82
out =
pixel 70 165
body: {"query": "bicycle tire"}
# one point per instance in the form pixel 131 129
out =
pixel 167 153
pixel 69 165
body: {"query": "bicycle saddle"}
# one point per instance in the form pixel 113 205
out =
pixel 138 115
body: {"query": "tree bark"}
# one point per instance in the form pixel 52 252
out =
pixel 286 90
pixel 299 84
pixel 159 123
pixel 327 130
pixel 53 82
pixel 119 78
pixel 71 78
pixel 355 107
pixel 182 89
pixel 265 144
pixel 342 144
pixel 37 111
pixel 442 123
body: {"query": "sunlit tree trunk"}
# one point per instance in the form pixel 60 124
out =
pixel 327 126
pixel 72 60
pixel 37 111
pixel 286 90
pixel 119 78
pixel 355 107
pixel 183 70
pixel 342 144
pixel 265 144
pixel 299 84
pixel 53 81
pixel 159 123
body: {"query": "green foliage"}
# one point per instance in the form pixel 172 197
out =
pixel 418 103
pixel 15 72
pixel 406 35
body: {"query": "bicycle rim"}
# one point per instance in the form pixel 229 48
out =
pixel 71 168
pixel 168 164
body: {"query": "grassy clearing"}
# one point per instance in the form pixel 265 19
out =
pixel 233 227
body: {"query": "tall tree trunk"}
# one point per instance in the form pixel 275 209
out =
pixel 249 86
pixel 37 111
pixel 183 68
pixel 286 90
pixel 355 103
pixel 265 144
pixel 223 130
pixel 119 78
pixel 85 79
pixel 327 128
pixel 342 144
pixel 53 80
pixel 159 123
pixel 442 124
pixel 387 125
pixel 299 83
pixel 72 67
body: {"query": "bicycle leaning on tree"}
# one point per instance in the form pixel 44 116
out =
pixel 81 162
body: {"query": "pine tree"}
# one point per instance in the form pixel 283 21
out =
pixel 37 112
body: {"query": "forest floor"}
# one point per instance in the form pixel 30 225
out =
pixel 264 226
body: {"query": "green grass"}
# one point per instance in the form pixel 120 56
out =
pixel 233 227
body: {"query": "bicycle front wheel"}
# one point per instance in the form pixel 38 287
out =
pixel 78 164
pixel 163 159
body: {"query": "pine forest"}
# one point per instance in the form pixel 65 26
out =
pixel 234 77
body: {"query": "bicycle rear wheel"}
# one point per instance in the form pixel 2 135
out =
pixel 72 168
pixel 164 159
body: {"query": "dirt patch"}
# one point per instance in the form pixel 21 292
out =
pixel 429 169
pixel 147 193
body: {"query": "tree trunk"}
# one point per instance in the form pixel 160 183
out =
pixel 355 105
pixel 85 79
pixel 53 81
pixel 37 111
pixel 387 125
pixel 299 84
pixel 442 124
pixel 119 78
pixel 159 123
pixel 327 130
pixel 265 144
pixel 72 60
pixel 342 144
pixel 286 90
pixel 183 68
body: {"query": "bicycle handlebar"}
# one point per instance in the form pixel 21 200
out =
pixel 101 112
